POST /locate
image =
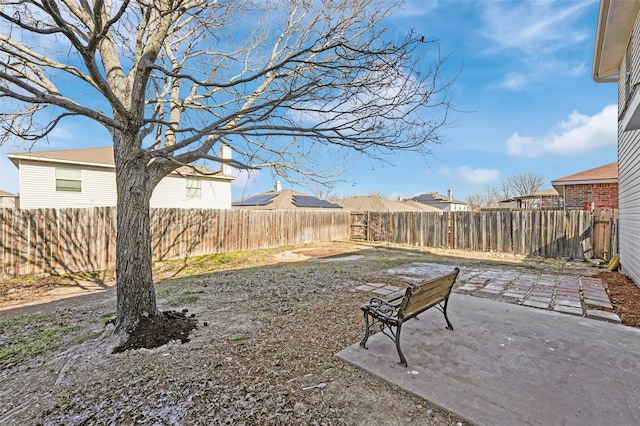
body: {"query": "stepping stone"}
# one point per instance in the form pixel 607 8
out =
pixel 603 315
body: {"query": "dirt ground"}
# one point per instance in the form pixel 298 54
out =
pixel 268 326
pixel 624 296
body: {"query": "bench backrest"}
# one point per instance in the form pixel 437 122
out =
pixel 422 296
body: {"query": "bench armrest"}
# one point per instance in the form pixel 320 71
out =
pixel 381 307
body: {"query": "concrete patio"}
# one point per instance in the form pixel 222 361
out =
pixel 515 363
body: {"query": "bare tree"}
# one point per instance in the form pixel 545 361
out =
pixel 323 191
pixel 284 83
pixel 487 198
pixel 526 183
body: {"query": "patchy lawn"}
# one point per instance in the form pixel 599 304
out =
pixel 274 320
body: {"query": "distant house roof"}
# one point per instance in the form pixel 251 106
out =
pixel 434 198
pixel 97 157
pixel 375 203
pixel 283 200
pixel 542 194
pixel 6 194
pixel 420 206
pixel 603 174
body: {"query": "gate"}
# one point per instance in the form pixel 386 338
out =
pixel 371 226
pixel 359 226
pixel 604 223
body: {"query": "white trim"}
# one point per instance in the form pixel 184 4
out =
pixel 583 182
pixel 631 118
pixel 110 166
pixel 56 160
pixel 615 23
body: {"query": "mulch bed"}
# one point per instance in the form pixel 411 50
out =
pixel 156 331
pixel 624 296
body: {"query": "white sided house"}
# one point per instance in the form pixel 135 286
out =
pixel 441 202
pixel 86 178
pixel 617 59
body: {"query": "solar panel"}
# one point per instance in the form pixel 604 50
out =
pixel 256 200
pixel 309 201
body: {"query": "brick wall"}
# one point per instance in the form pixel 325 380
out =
pixel 604 195
pixel 552 202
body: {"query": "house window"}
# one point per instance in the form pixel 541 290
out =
pixel 194 188
pixel 68 179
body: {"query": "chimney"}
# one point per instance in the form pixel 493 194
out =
pixel 225 153
pixel 278 186
pixel 449 194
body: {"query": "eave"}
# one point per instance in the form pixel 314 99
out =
pixel 615 23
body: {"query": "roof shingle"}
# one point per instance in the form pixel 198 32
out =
pixel 606 172
pixel 100 156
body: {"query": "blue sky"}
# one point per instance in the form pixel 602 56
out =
pixel 527 102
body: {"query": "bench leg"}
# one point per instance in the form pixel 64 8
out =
pixel 403 360
pixel 367 331
pixel 444 311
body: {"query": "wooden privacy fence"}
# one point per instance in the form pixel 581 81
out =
pixel 76 240
pixel 576 234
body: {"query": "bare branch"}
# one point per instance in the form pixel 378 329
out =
pixel 302 75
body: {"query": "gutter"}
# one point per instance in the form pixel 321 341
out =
pixel 603 14
pixel 616 19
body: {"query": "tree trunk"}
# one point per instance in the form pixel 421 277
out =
pixel 135 290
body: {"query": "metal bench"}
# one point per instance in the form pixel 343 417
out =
pixel 391 312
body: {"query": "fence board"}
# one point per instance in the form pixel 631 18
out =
pixel 544 233
pixel 76 240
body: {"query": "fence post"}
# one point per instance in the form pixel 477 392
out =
pixel 451 228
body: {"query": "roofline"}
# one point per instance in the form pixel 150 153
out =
pixel 439 202
pixel 14 157
pixel 583 181
pixel 615 23
pixel 603 11
pixel 526 197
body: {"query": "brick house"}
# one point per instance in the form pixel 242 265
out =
pixel 593 188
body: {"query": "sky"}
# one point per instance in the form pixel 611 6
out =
pixel 524 98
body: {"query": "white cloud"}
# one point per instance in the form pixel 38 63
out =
pixel 63 133
pixel 417 8
pixel 543 34
pixel 444 171
pixel 577 134
pixel 577 69
pixel 533 27
pixel 520 145
pixel 477 176
pixel 515 81
pixel 245 179
pixel 538 68
pixel 365 109
pixel 468 174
